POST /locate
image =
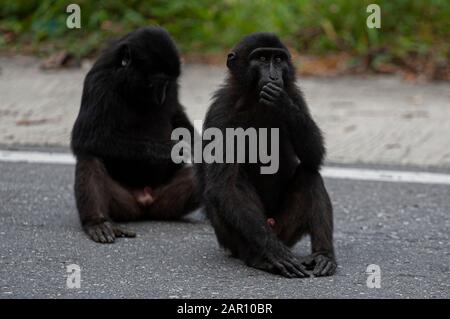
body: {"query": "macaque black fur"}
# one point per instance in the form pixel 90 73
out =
pixel 122 137
pixel 258 217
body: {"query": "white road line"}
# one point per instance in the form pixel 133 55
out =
pixel 386 175
pixel 36 157
pixel 330 172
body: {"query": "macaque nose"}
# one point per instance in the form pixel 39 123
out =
pixel 272 73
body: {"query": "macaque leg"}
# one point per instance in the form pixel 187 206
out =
pixel 307 209
pixel 243 231
pixel 100 200
pixel 174 199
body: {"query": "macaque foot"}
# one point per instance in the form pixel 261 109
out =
pixel 106 232
pixel 281 262
pixel 320 264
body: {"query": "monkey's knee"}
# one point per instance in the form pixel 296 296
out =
pixel 184 187
pixel 304 196
pixel 306 179
pixel 176 198
pixel 89 168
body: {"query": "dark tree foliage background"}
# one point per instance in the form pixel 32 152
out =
pixel 414 35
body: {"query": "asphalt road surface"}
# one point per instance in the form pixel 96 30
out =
pixel 402 227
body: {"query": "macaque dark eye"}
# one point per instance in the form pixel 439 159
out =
pixel 125 62
pixel 278 60
pixel 262 58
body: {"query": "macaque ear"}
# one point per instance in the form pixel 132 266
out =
pixel 124 55
pixel 231 58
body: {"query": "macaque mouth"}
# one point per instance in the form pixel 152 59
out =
pixel 278 82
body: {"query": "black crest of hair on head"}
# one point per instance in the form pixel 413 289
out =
pixel 238 58
pixel 126 65
pixel 157 42
pixel 151 40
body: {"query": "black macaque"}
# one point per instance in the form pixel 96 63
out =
pixel 122 137
pixel 258 216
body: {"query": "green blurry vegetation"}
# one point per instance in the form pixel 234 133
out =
pixel 419 27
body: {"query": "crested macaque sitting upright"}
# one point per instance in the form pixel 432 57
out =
pixel 122 137
pixel 257 216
